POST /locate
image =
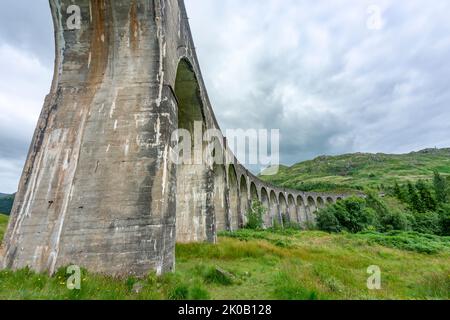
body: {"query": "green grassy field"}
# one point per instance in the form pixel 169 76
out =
pixel 269 265
pixel 357 171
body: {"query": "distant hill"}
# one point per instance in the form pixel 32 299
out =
pixel 353 172
pixel 6 203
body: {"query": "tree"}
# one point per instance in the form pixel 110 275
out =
pixel 444 214
pixel 427 200
pixel 398 192
pixel 440 188
pixel 327 221
pixel 387 220
pixel 414 199
pixel 353 215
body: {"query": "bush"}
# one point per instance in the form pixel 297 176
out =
pixel 327 221
pixel 387 220
pixel 411 241
pixel 444 219
pixel 394 220
pixel 350 215
pixel 353 215
pixel 218 276
pixel 255 216
pixel 426 222
pixel 440 188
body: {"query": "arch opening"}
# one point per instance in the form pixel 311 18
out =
pixel 292 210
pixel 266 204
pixel 234 198
pixel 219 198
pixel 284 214
pixel 244 199
pixel 301 209
pixel 274 209
pixel 320 203
pixel 312 208
pixel 253 192
pixel 195 220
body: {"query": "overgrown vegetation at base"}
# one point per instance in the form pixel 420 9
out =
pixel 270 264
pixel 255 216
pixel 418 207
pixel 411 241
pixel 255 219
pixel 400 232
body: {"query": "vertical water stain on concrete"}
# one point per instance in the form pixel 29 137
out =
pixel 100 38
pixel 134 27
pixel 99 188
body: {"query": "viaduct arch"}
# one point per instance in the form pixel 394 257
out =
pixel 98 188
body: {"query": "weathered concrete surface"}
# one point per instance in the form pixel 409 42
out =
pixel 98 188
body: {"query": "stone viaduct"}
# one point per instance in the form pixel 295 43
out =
pixel 98 188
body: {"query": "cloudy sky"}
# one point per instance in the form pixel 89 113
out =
pixel 335 76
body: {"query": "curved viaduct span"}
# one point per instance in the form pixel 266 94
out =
pixel 98 188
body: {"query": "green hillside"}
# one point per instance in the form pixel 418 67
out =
pixel 353 172
pixel 6 202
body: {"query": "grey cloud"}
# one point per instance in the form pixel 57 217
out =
pixel 27 24
pixel 310 68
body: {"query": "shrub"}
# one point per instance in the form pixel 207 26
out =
pixel 428 202
pixel 426 222
pixel 255 216
pixel 217 276
pixel 394 220
pixel 444 217
pixel 350 215
pixel 414 199
pixel 400 193
pixel 386 220
pixel 440 188
pixel 327 221
pixel 353 215
pixel 411 241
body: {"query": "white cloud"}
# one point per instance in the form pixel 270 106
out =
pixel 311 68
pixel 24 82
pixel 314 70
